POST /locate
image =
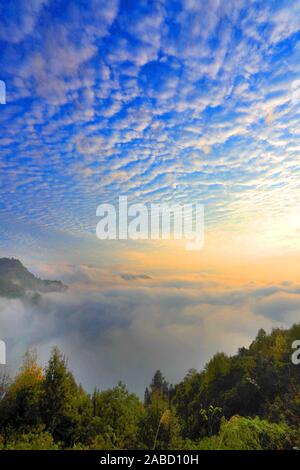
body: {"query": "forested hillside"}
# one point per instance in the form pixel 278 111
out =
pixel 248 401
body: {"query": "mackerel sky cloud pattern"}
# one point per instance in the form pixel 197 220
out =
pixel 159 100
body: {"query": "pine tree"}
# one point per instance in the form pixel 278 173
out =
pixel 60 400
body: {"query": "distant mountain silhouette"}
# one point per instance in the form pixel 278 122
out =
pixel 16 280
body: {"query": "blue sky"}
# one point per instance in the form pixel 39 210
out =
pixel 164 100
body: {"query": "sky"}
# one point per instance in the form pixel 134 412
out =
pixel 163 101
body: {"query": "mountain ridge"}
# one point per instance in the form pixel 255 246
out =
pixel 16 280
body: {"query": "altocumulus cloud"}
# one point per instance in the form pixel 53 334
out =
pixel 158 100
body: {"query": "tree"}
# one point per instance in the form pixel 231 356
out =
pixel 117 415
pixel 63 401
pixel 188 402
pixel 21 404
pixel 159 427
pixel 160 386
pixel 248 401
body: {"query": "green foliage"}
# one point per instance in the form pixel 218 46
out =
pixel 65 406
pixel 187 401
pixel 160 427
pixel 211 417
pixel 117 414
pixel 20 405
pixel 259 381
pixel 250 401
pixel 248 434
pixel 33 440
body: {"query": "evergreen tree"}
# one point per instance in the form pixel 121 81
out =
pixel 117 416
pixel 61 401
